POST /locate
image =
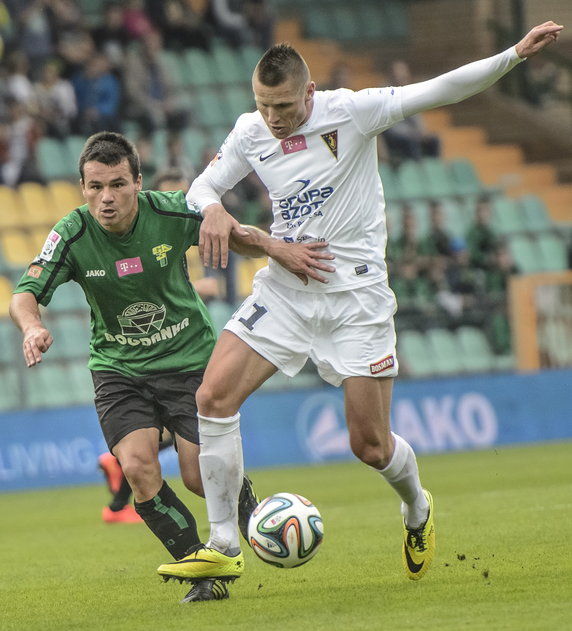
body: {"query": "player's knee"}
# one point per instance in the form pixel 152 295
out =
pixel 138 469
pixel 212 401
pixel 376 455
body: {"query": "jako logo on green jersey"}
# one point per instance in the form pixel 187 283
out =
pixel 141 324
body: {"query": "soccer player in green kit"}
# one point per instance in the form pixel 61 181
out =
pixel 151 334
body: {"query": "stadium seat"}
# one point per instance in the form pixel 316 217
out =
pixel 455 217
pixel 18 249
pixel 553 252
pixel 412 181
pixel 199 69
pixel 10 398
pixel 466 181
pixel 54 160
pixel 220 312
pixel 228 65
pixel 507 218
pixel 50 385
pixel 476 351
pixel 71 334
pixel 211 110
pixel 390 182
pixel 439 179
pixel 446 352
pixel 66 195
pixel 415 355
pixel 11 210
pixel 525 254
pixel 176 67
pixel 245 271
pixel 535 214
pixel 68 297
pixel 249 56
pixel 38 205
pixel 10 339
pixel 195 142
pixel 5 297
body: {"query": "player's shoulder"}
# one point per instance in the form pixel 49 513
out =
pixel 72 225
pixel 167 204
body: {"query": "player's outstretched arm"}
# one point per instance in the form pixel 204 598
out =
pixel 472 78
pixel 25 313
pixel 538 38
pixel 302 259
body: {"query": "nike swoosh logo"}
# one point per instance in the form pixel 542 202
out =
pixel 262 158
pixel 413 567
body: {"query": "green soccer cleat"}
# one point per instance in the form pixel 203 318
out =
pixel 419 545
pixel 247 502
pixel 207 589
pixel 204 563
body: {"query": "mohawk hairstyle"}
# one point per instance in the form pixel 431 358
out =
pixel 280 63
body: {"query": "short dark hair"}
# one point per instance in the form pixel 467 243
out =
pixel 280 63
pixel 110 148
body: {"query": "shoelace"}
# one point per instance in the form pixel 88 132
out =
pixel 416 539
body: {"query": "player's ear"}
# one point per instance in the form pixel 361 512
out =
pixel 139 183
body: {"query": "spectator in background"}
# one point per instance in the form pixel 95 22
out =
pixel 98 95
pixel 135 20
pixel 18 82
pixel 18 137
pixel 33 30
pixel 481 238
pixel 110 36
pixel 228 21
pixel 177 160
pixel 465 282
pixel 437 244
pixel 75 50
pixel 151 95
pixel 179 24
pixel 56 102
pixel 408 139
pixel 262 21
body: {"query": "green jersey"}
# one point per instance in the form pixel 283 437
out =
pixel 146 316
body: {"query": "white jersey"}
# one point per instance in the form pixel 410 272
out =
pixel 323 180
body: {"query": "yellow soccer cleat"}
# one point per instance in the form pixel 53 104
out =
pixel 204 563
pixel 419 545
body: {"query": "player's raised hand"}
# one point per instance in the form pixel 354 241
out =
pixel 538 38
pixel 216 227
pixel 37 340
pixel 303 259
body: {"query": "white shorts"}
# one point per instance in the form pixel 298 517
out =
pixel 346 334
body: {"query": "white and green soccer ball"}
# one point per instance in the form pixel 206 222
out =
pixel 285 530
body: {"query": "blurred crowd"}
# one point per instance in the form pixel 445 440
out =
pixel 62 73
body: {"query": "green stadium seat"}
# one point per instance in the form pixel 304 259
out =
pixel 68 297
pixel 195 142
pixel 239 99
pixel 466 181
pixel 507 218
pixel 54 159
pixel 10 398
pixel 412 181
pixel 478 356
pixel 318 22
pixel 536 217
pixel 415 355
pixel 220 312
pixel 446 352
pixel 525 254
pixel 229 66
pixel 390 183
pixel 553 252
pixel 249 56
pixel 211 109
pixel 346 23
pixel 50 385
pixel 176 68
pixel 456 217
pixel 71 333
pixel 199 69
pixel 439 179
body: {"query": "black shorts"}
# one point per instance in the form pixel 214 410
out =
pixel 164 401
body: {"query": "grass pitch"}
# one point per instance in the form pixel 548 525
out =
pixel 503 562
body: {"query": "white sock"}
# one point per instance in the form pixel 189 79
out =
pixel 403 475
pixel 222 471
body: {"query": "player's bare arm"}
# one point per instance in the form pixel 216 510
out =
pixel 25 313
pixel 538 38
pixel 301 259
pixel 216 227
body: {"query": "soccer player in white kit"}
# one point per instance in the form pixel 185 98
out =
pixel 316 154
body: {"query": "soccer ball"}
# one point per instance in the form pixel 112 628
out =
pixel 285 530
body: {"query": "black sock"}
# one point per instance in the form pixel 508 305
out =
pixel 170 521
pixel 121 498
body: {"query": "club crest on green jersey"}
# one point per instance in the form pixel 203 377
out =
pixel 160 252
